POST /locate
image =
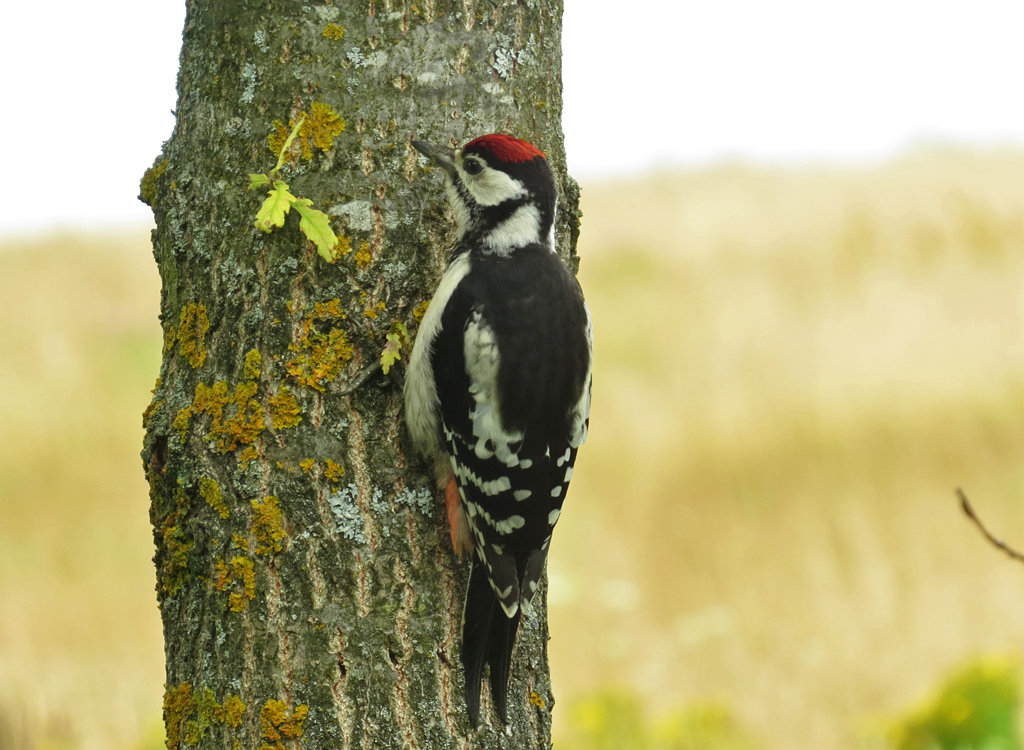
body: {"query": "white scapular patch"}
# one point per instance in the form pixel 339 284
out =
pixel 490 186
pixel 422 407
pixel 553 516
pixel 519 229
pixel 581 411
pixel 480 349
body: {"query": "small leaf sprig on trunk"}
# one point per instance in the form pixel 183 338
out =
pixel 313 223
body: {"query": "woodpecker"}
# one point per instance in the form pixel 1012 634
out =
pixel 497 394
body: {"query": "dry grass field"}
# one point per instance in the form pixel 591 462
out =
pixel 795 369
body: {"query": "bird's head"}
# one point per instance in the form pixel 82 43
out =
pixel 501 189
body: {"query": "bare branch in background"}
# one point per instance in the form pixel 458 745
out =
pixel 965 505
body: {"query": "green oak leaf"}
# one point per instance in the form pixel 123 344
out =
pixel 275 207
pixel 392 352
pixel 256 181
pixel 316 225
pixel 393 348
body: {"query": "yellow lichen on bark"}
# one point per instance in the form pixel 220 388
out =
pixel 188 714
pixel 267 526
pixel 319 355
pixel 333 470
pixel 227 431
pixel 238 573
pixel 318 130
pixel 284 409
pixel 210 492
pixel 193 324
pixel 277 723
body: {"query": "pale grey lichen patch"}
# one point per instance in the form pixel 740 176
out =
pixel 377 504
pixel 377 59
pixel 347 518
pixel 359 213
pixel 420 500
pixel 507 57
pixel 504 61
pixel 259 38
pixel 327 12
pixel 249 79
pixel 496 89
pixel 236 126
pixel 355 56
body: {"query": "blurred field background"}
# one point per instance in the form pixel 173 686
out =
pixel 796 367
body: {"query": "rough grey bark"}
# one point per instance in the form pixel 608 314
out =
pixel 307 586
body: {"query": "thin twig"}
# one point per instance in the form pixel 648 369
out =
pixel 965 505
pixel 365 374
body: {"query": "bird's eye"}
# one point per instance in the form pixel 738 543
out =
pixel 472 166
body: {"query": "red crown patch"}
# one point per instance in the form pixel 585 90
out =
pixel 505 148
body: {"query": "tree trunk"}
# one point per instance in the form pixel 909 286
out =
pixel 307 586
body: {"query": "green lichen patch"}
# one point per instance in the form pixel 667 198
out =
pixel 236 576
pixel 151 180
pixel 210 492
pixel 189 715
pixel 268 526
pixel 177 708
pixel 193 325
pixel 154 406
pixel 173 547
pixel 278 723
pixel 284 409
pixel 170 336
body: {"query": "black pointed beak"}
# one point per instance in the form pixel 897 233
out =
pixel 441 155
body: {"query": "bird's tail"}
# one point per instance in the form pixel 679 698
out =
pixel 488 636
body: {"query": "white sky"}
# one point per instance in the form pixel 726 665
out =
pixel 674 82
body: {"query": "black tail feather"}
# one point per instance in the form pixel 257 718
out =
pixel 487 636
pixel 503 638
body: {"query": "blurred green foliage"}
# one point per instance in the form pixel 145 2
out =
pixel 976 708
pixel 618 720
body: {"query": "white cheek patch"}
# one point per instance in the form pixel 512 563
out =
pixel 491 187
